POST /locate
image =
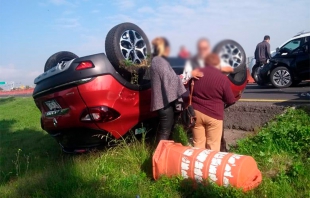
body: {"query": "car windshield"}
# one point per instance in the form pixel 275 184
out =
pixel 292 45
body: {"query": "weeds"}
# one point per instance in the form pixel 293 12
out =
pixel 27 163
pixel 17 163
pixel 135 69
pixel 180 135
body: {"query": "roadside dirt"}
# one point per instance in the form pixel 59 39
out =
pixel 250 116
pixel 243 118
pixel 232 135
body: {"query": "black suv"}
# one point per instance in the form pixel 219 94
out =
pixel 289 66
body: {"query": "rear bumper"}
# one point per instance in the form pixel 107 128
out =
pixel 66 126
pixel 71 101
pixel 80 138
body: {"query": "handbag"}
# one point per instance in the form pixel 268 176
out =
pixel 178 105
pixel 188 116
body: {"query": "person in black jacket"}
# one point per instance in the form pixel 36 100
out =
pixel 262 51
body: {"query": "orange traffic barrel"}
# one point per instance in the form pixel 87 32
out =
pixel 224 169
pixel 250 79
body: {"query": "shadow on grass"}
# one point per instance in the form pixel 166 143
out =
pixel 19 147
pixel 32 165
pixel 6 100
pixel 147 167
pixel 305 108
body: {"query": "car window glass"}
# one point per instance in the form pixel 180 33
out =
pixel 292 45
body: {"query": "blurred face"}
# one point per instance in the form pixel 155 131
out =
pixel 203 49
pixel 268 40
pixel 167 51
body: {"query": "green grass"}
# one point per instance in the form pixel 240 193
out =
pixel 32 164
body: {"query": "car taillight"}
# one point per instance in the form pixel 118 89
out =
pixel 85 65
pixel 99 114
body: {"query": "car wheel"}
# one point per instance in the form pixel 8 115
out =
pixel 281 77
pixel 126 41
pixel 256 77
pixel 255 74
pixel 231 53
pixel 57 58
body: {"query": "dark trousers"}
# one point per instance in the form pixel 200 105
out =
pixel 223 142
pixel 166 121
pixel 260 63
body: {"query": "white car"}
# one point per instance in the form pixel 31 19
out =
pixel 253 71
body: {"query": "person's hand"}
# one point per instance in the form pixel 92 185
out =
pixel 197 74
pixel 227 69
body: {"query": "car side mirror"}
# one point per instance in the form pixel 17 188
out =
pixel 277 49
pixel 282 50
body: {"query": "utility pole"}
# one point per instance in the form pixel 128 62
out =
pixel 11 85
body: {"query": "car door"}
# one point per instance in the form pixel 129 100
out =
pixel 286 51
pixel 302 61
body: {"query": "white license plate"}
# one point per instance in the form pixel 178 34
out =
pixel 52 105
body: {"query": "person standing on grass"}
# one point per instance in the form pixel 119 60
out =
pixel 192 66
pixel 166 88
pixel 211 93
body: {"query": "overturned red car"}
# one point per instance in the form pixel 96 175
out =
pixel 85 100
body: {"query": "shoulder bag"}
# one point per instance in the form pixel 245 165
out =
pixel 188 116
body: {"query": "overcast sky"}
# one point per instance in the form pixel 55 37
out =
pixel 33 30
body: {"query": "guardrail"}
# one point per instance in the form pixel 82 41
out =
pixel 17 92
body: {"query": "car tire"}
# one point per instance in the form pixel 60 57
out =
pixel 126 41
pixel 281 77
pixel 255 74
pixel 231 52
pixel 58 57
pixel 256 78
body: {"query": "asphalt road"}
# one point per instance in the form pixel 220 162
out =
pixel 254 92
